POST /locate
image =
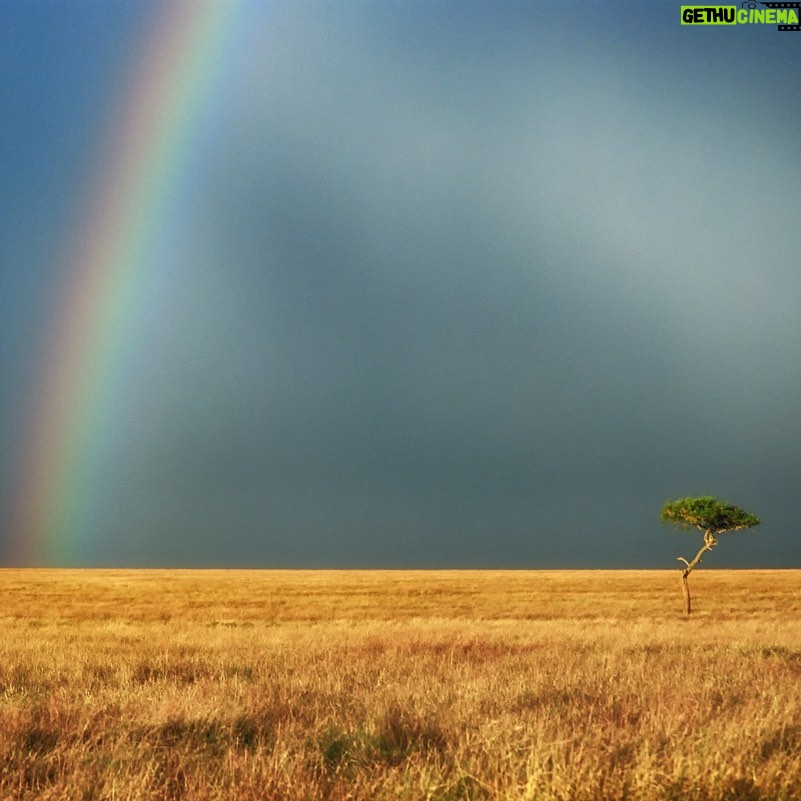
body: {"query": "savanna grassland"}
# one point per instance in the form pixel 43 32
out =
pixel 399 685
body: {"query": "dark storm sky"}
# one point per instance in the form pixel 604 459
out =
pixel 462 284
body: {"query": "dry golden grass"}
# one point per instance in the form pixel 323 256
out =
pixel 399 685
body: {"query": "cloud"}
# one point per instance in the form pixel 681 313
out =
pixel 455 293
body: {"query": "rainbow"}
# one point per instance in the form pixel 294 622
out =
pixel 155 136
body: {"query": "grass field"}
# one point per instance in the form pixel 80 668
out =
pixel 399 685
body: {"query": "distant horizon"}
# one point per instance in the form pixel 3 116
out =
pixel 251 568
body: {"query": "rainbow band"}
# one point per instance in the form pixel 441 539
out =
pixel 154 141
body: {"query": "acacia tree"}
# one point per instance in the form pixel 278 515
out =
pixel 711 517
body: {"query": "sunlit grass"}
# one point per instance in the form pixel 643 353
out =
pixel 407 685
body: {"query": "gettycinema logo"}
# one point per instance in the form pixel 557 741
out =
pixel 783 15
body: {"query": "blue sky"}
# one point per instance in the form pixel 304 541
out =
pixel 460 284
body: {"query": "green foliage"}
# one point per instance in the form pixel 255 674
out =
pixel 707 514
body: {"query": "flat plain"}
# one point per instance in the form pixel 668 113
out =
pixel 548 685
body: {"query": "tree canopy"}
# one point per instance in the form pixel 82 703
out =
pixel 707 514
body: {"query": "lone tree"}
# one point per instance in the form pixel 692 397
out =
pixel 710 516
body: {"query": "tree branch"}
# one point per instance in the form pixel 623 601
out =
pixel 710 541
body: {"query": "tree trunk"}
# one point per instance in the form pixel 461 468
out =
pixel 710 541
pixel 686 587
